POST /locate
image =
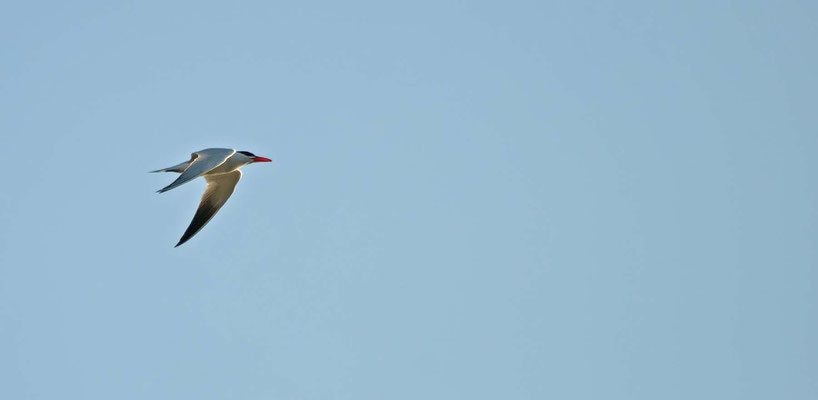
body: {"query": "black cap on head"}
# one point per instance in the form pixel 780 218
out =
pixel 246 153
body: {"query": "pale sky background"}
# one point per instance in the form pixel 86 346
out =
pixel 469 200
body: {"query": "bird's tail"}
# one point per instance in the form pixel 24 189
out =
pixel 181 167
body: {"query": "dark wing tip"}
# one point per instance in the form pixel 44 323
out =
pixel 202 217
pixel 184 239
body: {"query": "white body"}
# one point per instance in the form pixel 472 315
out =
pixel 206 162
pixel 220 167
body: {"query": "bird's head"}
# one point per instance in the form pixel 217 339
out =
pixel 251 158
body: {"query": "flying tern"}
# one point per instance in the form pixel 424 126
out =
pixel 220 168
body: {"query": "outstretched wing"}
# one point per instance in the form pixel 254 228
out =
pixel 202 161
pixel 219 189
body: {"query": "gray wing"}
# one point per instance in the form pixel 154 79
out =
pixel 219 189
pixel 201 162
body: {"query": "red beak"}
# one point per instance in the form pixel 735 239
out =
pixel 261 159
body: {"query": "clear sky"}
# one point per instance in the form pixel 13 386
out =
pixel 469 200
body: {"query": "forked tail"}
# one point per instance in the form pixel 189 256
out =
pixel 181 167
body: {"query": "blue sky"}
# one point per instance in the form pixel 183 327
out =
pixel 476 200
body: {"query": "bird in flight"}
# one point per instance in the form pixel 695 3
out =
pixel 220 168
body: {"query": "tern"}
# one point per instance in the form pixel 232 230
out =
pixel 220 168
